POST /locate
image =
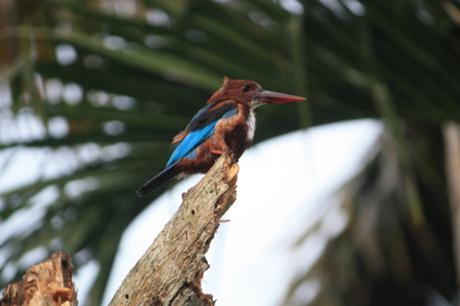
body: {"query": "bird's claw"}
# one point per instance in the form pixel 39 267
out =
pixel 217 151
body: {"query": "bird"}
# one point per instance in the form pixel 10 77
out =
pixel 225 124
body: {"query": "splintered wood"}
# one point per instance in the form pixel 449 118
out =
pixel 170 272
pixel 46 284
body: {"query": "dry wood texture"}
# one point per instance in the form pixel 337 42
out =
pixel 170 272
pixel 46 284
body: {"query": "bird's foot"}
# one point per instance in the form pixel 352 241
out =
pixel 217 151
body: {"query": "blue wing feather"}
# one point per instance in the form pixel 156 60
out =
pixel 191 141
pixel 187 146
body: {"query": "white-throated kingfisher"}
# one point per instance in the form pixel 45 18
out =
pixel 226 123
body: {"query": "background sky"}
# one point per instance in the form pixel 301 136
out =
pixel 282 184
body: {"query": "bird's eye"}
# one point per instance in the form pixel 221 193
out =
pixel 246 87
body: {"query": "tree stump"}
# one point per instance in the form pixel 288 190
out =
pixel 48 283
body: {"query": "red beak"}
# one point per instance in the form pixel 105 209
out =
pixel 272 97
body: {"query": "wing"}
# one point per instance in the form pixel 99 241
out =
pixel 199 130
pixel 206 115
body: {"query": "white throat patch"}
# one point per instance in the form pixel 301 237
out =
pixel 251 125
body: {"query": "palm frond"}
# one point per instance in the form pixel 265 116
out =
pixel 124 84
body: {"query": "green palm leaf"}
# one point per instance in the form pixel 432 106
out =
pixel 139 81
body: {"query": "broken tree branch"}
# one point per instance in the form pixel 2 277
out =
pixel 47 283
pixel 170 271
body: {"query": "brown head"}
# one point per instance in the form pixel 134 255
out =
pixel 250 93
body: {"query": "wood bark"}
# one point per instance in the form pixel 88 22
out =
pixel 170 271
pixel 45 284
pixel 452 147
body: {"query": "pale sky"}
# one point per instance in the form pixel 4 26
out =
pixel 283 184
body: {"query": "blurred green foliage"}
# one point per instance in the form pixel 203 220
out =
pixel 125 79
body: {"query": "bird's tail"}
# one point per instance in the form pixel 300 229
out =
pixel 163 177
